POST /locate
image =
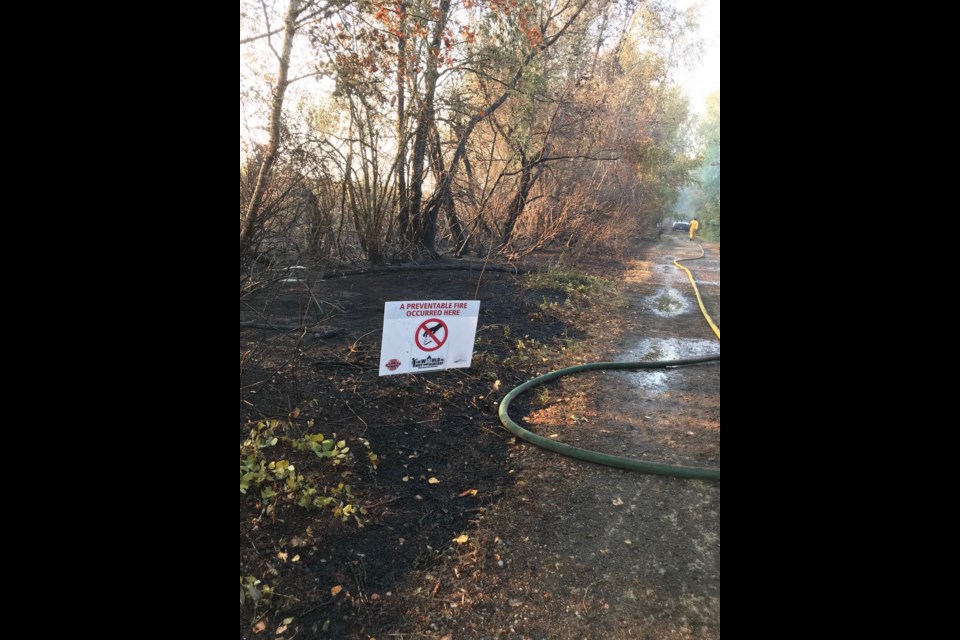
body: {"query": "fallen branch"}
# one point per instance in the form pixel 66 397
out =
pixel 319 335
pixel 431 267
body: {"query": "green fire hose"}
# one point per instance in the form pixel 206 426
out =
pixel 593 456
pixel 629 464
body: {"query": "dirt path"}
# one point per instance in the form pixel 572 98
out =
pixel 575 550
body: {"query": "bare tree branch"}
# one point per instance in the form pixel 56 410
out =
pixel 553 158
pixel 323 13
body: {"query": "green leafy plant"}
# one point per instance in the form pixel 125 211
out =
pixel 579 287
pixel 278 479
pixel 334 450
pixel 250 590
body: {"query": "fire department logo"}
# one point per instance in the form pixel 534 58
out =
pixel 393 364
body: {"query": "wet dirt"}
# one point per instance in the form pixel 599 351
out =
pixel 630 555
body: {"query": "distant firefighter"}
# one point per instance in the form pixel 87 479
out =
pixel 693 228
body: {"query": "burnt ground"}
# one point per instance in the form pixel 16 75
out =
pixel 553 547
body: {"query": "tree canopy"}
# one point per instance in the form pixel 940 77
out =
pixel 389 130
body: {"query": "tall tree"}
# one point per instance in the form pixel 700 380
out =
pixel 417 228
pixel 540 36
pixel 708 204
pixel 251 216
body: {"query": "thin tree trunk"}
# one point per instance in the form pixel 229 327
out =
pixel 422 225
pixel 459 236
pixel 519 202
pixel 251 217
pixel 401 122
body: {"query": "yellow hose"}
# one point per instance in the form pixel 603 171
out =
pixel 676 263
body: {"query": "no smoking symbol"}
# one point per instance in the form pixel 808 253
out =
pixel 431 334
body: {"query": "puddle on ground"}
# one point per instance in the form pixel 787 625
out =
pixel 667 302
pixel 652 349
